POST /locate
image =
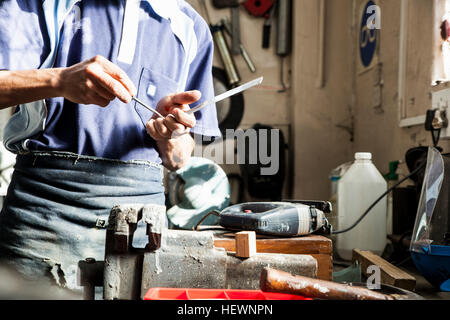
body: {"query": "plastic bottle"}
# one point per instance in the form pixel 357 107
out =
pixel 361 185
pixel 335 176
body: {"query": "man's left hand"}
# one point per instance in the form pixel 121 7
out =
pixel 176 121
pixel 171 133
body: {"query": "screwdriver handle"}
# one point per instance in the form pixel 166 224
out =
pixel 266 36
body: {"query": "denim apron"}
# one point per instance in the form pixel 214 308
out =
pixel 57 208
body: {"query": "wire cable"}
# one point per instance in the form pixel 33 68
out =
pixel 214 212
pixel 379 199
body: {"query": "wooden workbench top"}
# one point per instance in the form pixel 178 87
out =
pixel 321 248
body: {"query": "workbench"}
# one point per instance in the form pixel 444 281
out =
pixel 319 247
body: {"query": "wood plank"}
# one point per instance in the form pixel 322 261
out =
pixel 390 274
pixel 301 245
pixel 318 247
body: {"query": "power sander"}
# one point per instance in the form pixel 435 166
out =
pixel 281 219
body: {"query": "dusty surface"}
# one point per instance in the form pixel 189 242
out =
pixel 423 287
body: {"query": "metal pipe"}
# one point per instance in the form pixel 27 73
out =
pixel 230 66
pixel 227 27
pixel 284 24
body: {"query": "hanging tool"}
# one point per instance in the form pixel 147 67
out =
pixel 262 8
pixel 235 30
pixel 235 26
pixel 221 4
pixel 219 38
pixel 267 29
pixel 284 34
pixel 284 24
pixel 258 8
pixel 227 27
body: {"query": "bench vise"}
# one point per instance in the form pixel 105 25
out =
pixel 179 259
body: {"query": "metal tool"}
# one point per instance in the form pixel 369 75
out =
pixel 283 219
pixel 227 26
pixel 273 280
pixel 148 107
pixel 227 94
pixel 228 62
pixel 284 24
pixel 267 29
pixel 284 34
pixel 235 30
pixel 220 97
pixel 221 4
pixel 227 58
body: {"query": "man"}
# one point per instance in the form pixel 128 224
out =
pixel 72 68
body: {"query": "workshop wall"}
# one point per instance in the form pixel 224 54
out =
pixel 264 104
pixel 377 128
pixel 356 110
pixel 322 117
pixel 332 109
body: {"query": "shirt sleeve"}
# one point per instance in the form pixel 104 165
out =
pixel 23 35
pixel 201 78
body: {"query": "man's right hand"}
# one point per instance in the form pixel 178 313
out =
pixel 96 81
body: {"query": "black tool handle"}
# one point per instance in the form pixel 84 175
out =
pixel 220 4
pixel 266 36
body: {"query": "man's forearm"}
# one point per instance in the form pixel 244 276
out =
pixel 176 152
pixel 18 87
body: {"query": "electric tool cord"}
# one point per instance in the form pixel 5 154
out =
pixel 379 199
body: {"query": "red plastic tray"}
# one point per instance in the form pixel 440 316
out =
pixel 213 294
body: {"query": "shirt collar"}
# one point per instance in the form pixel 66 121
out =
pixel 164 8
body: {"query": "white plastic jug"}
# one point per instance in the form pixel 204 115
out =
pixel 361 185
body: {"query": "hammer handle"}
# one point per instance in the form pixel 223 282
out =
pixel 281 282
pixel 220 4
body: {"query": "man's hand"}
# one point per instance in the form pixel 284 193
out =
pixel 96 81
pixel 171 133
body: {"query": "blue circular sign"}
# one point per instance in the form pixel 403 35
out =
pixel 368 35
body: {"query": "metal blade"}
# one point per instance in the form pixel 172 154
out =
pixel 148 107
pixel 228 94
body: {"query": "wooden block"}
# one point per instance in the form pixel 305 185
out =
pixel 390 274
pixel 245 244
pixel 319 247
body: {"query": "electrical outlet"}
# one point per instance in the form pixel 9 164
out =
pixel 440 99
